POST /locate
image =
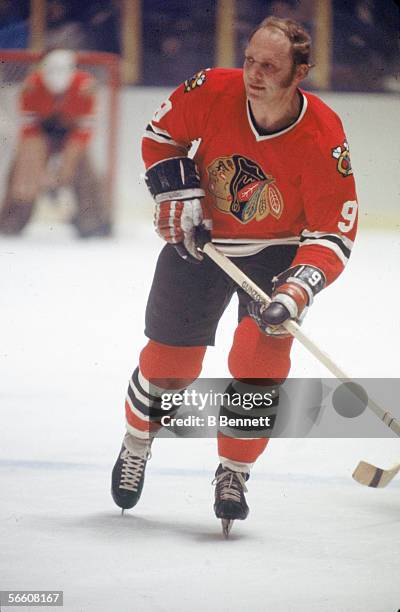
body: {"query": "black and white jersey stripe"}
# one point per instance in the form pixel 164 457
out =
pixel 162 136
pixel 339 244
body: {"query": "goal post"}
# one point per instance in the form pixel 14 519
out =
pixel 15 65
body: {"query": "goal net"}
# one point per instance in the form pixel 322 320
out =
pixel 15 65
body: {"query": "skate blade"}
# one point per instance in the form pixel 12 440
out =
pixel 226 526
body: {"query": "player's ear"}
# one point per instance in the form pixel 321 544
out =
pixel 302 71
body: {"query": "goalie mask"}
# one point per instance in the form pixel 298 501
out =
pixel 57 70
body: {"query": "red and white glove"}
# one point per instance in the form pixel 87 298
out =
pixel 175 186
pixel 176 222
pixel 293 293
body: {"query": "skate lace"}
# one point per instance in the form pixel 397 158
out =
pixel 132 470
pixel 229 485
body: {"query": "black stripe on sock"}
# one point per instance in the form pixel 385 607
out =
pixel 153 399
pixel 232 392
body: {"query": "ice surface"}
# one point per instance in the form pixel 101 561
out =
pixel 71 329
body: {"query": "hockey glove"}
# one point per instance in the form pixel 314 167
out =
pixel 176 222
pixel 174 183
pixel 293 292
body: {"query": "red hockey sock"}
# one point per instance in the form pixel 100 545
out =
pixel 259 360
pixel 239 454
pixel 172 366
pixel 256 355
pixel 162 368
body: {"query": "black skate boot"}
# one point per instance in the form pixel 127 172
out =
pixel 128 472
pixel 230 502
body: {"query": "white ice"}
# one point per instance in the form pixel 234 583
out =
pixel 71 329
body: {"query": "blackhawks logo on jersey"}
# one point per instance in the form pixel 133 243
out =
pixel 342 154
pixel 242 188
pixel 196 80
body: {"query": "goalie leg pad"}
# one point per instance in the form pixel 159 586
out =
pixel 93 215
pixel 14 216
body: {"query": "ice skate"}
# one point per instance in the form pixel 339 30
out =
pixel 230 502
pixel 129 470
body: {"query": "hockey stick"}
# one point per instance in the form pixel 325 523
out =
pixel 294 329
pixel 371 476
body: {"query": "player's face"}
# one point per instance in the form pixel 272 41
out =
pixel 268 67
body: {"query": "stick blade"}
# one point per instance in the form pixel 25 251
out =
pixel 372 476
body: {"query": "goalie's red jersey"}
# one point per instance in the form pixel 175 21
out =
pixel 294 186
pixel 72 110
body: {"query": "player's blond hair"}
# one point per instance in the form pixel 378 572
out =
pixel 298 36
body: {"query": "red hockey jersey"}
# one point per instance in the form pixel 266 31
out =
pixel 73 111
pixel 294 186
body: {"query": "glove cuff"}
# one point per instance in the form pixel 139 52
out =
pixel 293 297
pixel 311 279
pixel 183 194
pixel 175 178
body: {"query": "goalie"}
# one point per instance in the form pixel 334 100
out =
pixel 57 106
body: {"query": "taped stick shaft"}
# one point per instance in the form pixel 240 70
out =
pixel 294 329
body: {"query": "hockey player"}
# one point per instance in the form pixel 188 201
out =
pixel 57 107
pixel 272 177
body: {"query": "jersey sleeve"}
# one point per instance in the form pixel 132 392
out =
pixel 330 205
pixel 83 110
pixel 180 120
pixel 29 105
